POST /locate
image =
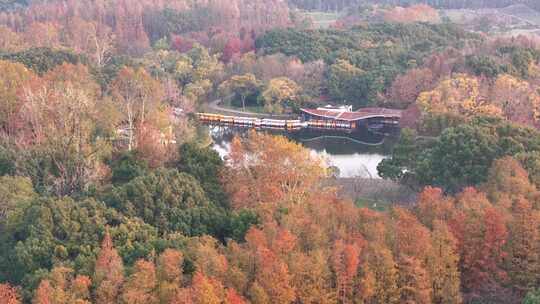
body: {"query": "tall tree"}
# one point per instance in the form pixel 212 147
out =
pixel 169 274
pixel 62 287
pixel 42 34
pixel 138 94
pixel 523 248
pixel 312 277
pixel 278 92
pixel 232 297
pixel 413 281
pixel 345 262
pixel 518 100
pixel 16 193
pixel 206 165
pixel 108 272
pixel 241 86
pixel 168 200
pixel 59 120
pixel 411 238
pixel 384 269
pixel 13 79
pixel 206 290
pixel 433 205
pixel 10 41
pixel 268 177
pixel 343 84
pixel 480 242
pixel 406 88
pixel 141 285
pixel 43 293
pixel 458 95
pixel 273 276
pixel 509 181
pixel 444 266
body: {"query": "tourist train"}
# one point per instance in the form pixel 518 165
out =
pixel 251 121
pixel 340 118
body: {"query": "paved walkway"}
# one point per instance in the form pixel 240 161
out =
pixel 215 106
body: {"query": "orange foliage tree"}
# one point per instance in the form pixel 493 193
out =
pixel 265 169
pixel 108 273
pixel 140 286
pixel 524 247
pixel 345 261
pixel 444 265
pixel 62 287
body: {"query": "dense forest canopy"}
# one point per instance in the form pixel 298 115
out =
pixel 111 192
pixel 372 56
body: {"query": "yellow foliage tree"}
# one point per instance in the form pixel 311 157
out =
pixel 518 100
pixel 457 95
pixel 279 91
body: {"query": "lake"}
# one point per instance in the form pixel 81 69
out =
pixel 354 154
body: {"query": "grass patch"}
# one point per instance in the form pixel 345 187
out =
pixel 250 108
pixel 376 205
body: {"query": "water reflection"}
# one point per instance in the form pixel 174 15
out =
pixel 354 154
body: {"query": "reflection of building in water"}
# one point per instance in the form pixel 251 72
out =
pixel 344 117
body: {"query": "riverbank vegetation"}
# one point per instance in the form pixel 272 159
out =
pixel 110 193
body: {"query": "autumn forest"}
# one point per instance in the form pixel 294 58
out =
pixel 111 190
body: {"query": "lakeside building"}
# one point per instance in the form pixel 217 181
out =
pixel 345 117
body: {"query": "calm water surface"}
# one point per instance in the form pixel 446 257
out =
pixel 355 154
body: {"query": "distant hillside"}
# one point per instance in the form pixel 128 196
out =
pixel 523 12
pixel 12 4
pixel 329 5
pixel 534 4
pixel 338 5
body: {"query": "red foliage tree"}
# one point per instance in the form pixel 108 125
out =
pixel 232 297
pixel 432 205
pixel 9 295
pixel 481 233
pixel 406 88
pixel 181 44
pixel 232 47
pixel 43 293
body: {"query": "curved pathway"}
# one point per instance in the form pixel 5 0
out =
pixel 214 106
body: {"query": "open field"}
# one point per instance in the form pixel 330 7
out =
pixel 514 19
pixel 322 19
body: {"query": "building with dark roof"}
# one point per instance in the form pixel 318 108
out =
pixel 344 117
